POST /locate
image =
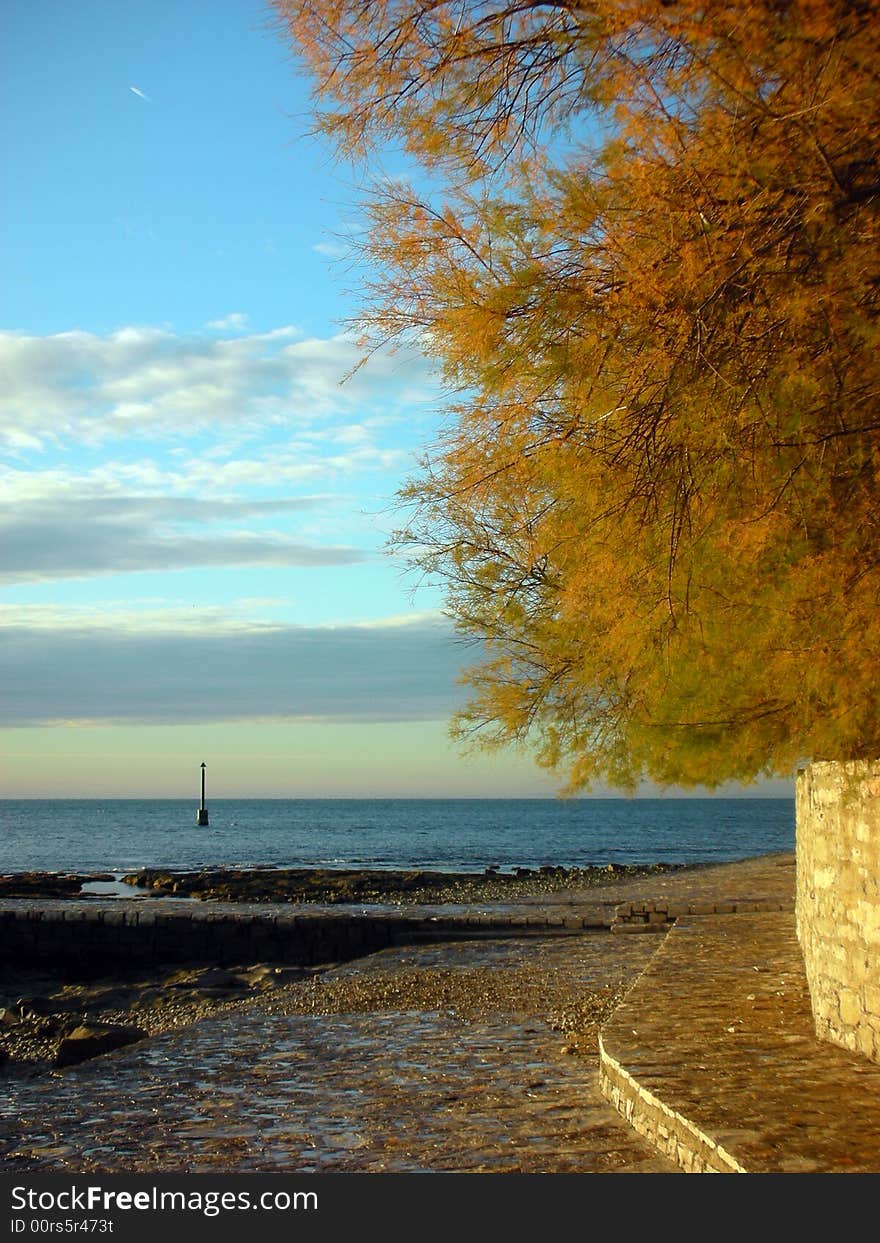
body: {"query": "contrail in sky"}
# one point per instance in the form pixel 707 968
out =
pixel 141 94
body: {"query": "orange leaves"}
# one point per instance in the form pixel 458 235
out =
pixel 658 502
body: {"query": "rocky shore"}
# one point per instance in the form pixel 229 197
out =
pixel 372 886
pixel 47 1024
pixel 362 886
pixel 48 1021
pixel 48 884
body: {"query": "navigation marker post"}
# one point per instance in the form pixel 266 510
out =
pixel 202 814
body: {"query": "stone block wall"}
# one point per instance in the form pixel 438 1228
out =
pixel 671 1133
pixel 90 937
pixel 838 899
pixel 660 916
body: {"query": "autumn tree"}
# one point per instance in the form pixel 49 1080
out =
pixel 641 243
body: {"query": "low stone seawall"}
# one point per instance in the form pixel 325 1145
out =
pixel 671 1133
pixel 94 936
pixel 660 916
pixel 838 900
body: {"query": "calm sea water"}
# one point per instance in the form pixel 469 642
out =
pixel 445 834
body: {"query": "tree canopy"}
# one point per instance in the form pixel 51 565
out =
pixel 648 266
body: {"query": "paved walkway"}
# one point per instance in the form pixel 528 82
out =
pixel 713 1056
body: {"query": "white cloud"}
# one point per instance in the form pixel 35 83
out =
pixel 246 615
pixel 237 321
pixel 58 526
pixel 118 617
pixel 150 382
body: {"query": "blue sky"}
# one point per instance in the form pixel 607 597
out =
pixel 194 504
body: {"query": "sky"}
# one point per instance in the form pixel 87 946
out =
pixel 198 479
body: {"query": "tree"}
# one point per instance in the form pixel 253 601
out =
pixel 647 264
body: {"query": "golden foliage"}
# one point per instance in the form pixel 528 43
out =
pixel 652 279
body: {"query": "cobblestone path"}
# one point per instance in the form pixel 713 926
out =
pixel 473 1056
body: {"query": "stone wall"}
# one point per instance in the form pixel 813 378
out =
pixel 671 1133
pixel 838 900
pixel 95 936
pixel 660 916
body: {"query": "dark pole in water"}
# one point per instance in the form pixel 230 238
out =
pixel 202 817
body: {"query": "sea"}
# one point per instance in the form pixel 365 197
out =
pixel 449 835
